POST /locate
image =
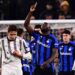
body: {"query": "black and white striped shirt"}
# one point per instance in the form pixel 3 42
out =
pixel 9 47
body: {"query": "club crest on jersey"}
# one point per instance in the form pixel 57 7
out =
pixel 70 49
pixel 48 41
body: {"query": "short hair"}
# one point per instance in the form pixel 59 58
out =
pixel 20 31
pixel 37 26
pixel 66 32
pixel 12 28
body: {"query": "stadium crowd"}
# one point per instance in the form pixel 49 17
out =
pixel 51 9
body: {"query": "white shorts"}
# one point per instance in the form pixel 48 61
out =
pixel 11 70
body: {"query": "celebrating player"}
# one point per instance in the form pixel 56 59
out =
pixel 46 45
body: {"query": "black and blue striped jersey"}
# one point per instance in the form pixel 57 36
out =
pixel 44 46
pixel 67 56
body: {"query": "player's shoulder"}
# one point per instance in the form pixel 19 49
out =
pixel 19 38
pixel 52 36
pixel 4 38
pixel 61 43
pixel 37 32
pixel 72 43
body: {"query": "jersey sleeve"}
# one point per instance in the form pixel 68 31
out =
pixel 26 46
pixel 35 34
pixel 26 53
pixel 55 42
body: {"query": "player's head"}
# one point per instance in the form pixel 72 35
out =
pixel 45 28
pixel 12 32
pixel 20 32
pixel 66 35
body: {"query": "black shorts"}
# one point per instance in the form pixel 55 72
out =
pixel 46 71
pixel 66 73
pixel 26 73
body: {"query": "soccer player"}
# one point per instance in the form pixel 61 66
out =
pixel 25 63
pixel 67 54
pixel 46 45
pixel 13 49
pixel 20 32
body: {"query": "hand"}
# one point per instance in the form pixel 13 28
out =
pixel 17 53
pixel 32 8
pixel 44 65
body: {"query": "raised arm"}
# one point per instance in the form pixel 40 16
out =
pixel 27 20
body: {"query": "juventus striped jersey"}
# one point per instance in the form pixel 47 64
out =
pixel 9 46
